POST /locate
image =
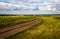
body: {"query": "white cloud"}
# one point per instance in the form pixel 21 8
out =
pixel 43 8
pixel 58 1
pixel 10 6
pixel 54 9
pixel 5 4
pixel 49 7
pixel 36 0
pixel 2 3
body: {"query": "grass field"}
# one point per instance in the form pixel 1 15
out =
pixel 6 21
pixel 49 28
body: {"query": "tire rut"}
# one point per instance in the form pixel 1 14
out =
pixel 13 30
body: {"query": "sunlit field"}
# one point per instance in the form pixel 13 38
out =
pixel 49 28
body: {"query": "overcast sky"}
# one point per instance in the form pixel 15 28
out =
pixel 29 6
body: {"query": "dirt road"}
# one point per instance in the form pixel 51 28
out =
pixel 8 31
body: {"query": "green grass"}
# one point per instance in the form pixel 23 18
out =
pixel 13 20
pixel 48 29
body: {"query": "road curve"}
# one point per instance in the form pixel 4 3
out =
pixel 8 31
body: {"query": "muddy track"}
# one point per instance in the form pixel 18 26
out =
pixel 8 31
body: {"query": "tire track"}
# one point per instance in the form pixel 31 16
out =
pixel 14 30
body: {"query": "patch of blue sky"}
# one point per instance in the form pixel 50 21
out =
pixel 5 1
